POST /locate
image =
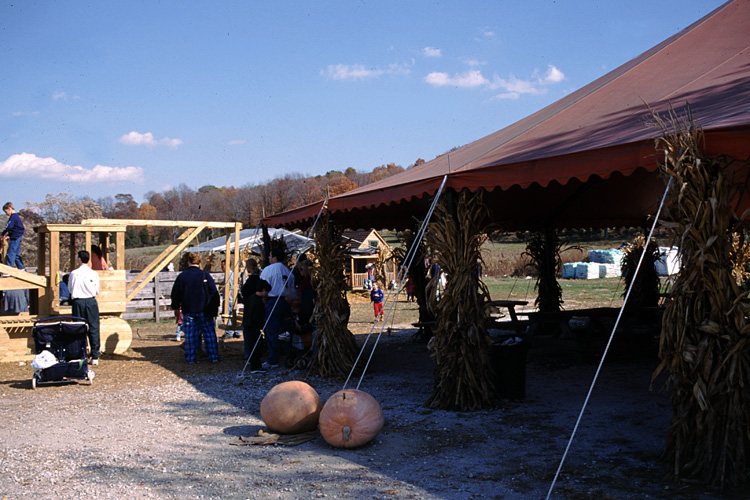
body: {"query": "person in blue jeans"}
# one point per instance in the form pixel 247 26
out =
pixel 280 278
pixel 189 294
pixel 13 232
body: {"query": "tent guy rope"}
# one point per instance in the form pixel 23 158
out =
pixel 241 375
pixel 609 342
pixel 400 279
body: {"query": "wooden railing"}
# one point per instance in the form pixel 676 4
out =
pixel 358 279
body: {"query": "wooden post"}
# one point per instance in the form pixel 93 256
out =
pixel 157 299
pixel 120 250
pixel 52 300
pixel 72 250
pixel 227 267
pixel 41 270
pixel 87 245
pixel 236 274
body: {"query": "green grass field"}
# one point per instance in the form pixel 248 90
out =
pixel 577 294
pixel 500 260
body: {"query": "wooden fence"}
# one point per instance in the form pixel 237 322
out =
pixel 153 301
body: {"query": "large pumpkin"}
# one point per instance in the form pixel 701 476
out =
pixel 291 407
pixel 350 418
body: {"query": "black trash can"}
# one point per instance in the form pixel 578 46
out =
pixel 509 362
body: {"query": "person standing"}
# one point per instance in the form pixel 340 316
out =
pixel 251 280
pixel 280 279
pixel 98 261
pixel 252 323
pixel 83 283
pixel 13 232
pixel 376 297
pixel 189 294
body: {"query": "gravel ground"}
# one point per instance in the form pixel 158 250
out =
pixel 151 426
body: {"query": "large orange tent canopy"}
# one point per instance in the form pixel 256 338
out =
pixel 589 159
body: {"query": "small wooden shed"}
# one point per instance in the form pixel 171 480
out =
pixel 365 246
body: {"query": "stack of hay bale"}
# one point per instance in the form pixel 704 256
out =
pixel 602 264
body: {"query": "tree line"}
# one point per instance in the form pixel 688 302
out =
pixel 247 204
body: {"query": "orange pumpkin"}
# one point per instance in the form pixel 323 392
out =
pixel 291 407
pixel 350 418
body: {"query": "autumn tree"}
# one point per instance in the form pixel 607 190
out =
pixel 56 209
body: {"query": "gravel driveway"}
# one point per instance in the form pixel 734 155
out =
pixel 152 426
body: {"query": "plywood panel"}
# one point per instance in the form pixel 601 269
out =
pixel 16 343
pixel 115 334
pixel 111 298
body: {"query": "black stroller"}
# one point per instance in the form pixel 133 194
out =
pixel 60 344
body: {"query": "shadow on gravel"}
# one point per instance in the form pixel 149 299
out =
pixel 506 452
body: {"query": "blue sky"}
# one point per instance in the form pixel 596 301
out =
pixel 99 98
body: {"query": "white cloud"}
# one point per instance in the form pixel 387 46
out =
pixel 360 72
pixel 512 87
pixel 236 142
pixel 517 86
pixel 431 52
pixel 26 113
pixel 57 96
pixel 553 75
pixel 485 33
pixel 468 79
pixel 537 85
pixel 30 165
pixel 137 139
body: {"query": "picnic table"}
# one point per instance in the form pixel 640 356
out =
pixel 597 315
pixel 518 325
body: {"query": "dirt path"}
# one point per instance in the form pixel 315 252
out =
pixel 151 426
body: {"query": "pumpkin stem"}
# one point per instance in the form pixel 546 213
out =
pixel 347 432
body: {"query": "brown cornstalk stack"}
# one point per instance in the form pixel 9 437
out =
pixel 543 250
pixel 463 371
pixel 380 276
pixel 705 329
pixel 645 291
pixel 335 347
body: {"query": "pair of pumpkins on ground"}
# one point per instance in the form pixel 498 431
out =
pixel 350 417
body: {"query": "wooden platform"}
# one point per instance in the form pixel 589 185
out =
pixel 16 343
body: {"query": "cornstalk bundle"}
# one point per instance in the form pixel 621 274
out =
pixel 705 328
pixel 383 255
pixel 741 259
pixel 463 372
pixel 645 290
pixel 543 250
pixel 335 347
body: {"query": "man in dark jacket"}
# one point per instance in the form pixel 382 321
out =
pixel 189 293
